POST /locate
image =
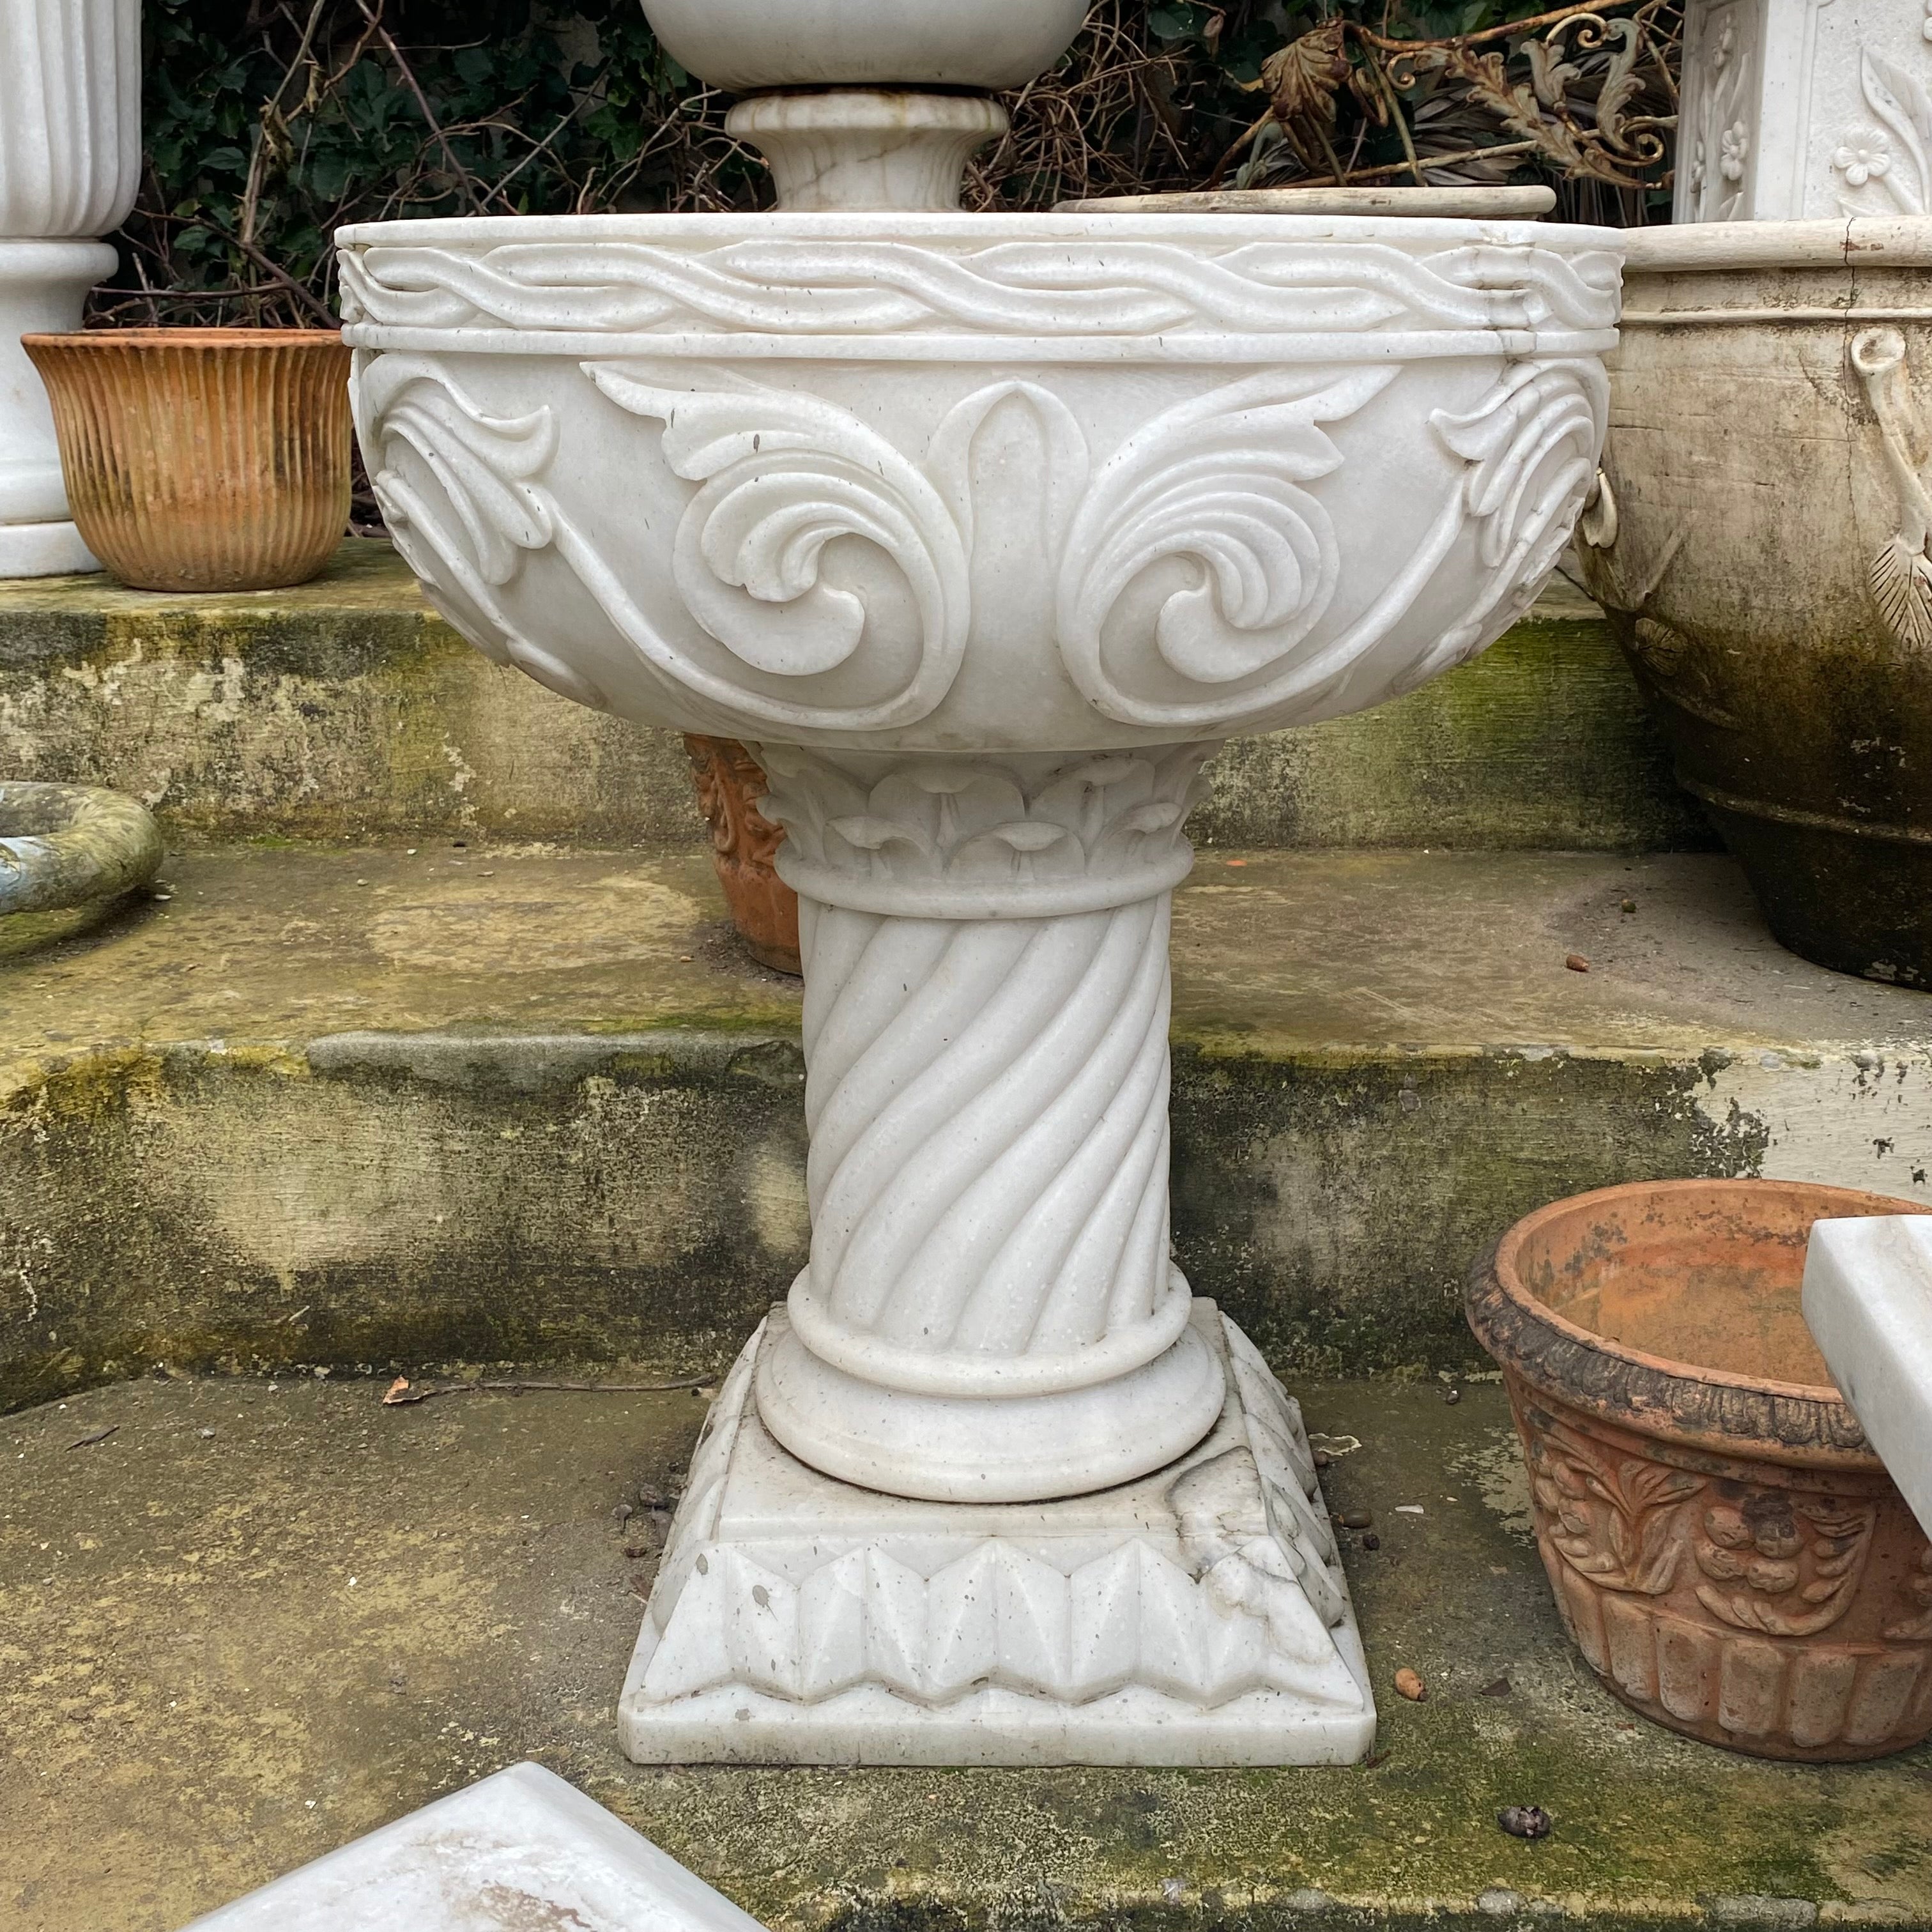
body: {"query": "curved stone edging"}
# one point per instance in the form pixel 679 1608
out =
pixel 64 845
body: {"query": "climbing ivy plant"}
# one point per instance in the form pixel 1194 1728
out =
pixel 270 123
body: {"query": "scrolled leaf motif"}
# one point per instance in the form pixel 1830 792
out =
pixel 1218 480
pixel 486 468
pixel 781 476
pixel 1532 446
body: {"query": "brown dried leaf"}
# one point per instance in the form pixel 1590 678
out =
pixel 1303 76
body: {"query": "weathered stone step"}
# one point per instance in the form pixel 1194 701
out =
pixel 254 1622
pixel 372 1108
pixel 346 710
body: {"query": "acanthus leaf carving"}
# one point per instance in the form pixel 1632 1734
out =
pixel 1613 1519
pixel 1225 485
pixel 487 467
pixel 782 475
pixel 1102 829
pixel 1532 446
pixel 1217 480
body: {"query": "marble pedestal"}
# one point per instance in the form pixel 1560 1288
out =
pixel 42 286
pixel 1197 1615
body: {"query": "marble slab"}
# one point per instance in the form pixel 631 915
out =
pixel 1868 1302
pixel 519 1851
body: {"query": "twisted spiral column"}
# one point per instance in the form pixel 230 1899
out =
pixel 990 1311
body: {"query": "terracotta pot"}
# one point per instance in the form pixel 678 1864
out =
pixel 1777 608
pixel 1727 1552
pixel 764 909
pixel 203 459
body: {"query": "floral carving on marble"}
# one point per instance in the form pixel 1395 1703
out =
pixel 1716 129
pixel 1885 164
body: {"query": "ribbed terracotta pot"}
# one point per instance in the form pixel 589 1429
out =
pixel 1728 1553
pixel 203 459
pixel 730 782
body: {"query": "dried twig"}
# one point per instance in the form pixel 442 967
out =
pixel 402 1393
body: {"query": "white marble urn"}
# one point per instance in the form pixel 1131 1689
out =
pixel 70 161
pixel 985 530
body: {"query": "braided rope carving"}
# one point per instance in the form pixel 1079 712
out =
pixel 988 1106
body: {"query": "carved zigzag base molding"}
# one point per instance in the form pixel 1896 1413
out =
pixel 1197 1616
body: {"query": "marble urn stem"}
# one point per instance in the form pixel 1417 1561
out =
pixel 70 160
pixel 991 1312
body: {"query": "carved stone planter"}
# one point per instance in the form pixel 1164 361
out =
pixel 730 783
pixel 1763 542
pixel 1727 1551
pixel 70 160
pixel 203 459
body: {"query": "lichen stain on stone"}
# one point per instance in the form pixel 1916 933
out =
pixel 1333 1206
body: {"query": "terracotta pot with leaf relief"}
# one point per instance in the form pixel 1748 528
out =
pixel 730 782
pixel 1727 1551
pixel 203 459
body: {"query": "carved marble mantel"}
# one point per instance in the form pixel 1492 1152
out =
pixel 1804 109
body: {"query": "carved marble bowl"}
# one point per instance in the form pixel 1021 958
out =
pixel 962 483
pixel 1726 1549
pixel 934 512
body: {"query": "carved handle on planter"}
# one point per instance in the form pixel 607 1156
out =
pixel 1597 522
pixel 1901 574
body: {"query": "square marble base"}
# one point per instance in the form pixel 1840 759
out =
pixel 1197 1616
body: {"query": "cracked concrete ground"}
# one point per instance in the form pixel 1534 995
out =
pixel 258 1619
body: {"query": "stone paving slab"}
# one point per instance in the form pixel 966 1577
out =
pixel 347 709
pixel 357 1108
pixel 256 1620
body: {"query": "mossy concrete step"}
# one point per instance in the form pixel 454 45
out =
pixel 368 1108
pixel 347 709
pixel 256 1620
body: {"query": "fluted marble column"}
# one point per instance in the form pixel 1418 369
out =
pixel 990 1313
pixel 69 162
